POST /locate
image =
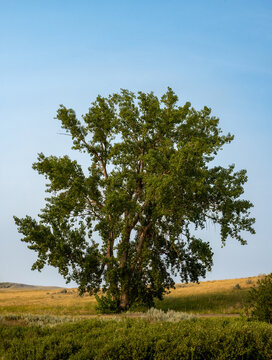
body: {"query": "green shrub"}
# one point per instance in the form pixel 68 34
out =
pixel 131 339
pixel 237 287
pixel 171 315
pixel 260 300
pixel 106 304
pixel 37 320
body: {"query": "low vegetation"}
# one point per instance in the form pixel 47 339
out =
pixel 170 315
pixel 58 324
pixel 259 305
pixel 139 339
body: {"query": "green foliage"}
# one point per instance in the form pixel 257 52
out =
pixel 237 287
pixel 260 300
pixel 37 320
pixel 106 304
pixel 170 315
pixel 149 183
pixel 139 339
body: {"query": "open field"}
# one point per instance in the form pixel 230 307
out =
pixel 207 297
pixel 55 302
pixel 31 327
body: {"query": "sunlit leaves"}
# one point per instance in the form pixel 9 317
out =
pixel 149 184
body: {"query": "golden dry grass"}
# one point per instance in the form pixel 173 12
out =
pixel 39 301
pixel 207 287
pixel 206 297
pixel 210 297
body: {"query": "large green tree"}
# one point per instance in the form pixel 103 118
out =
pixel 149 185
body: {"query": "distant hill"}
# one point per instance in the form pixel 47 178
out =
pixel 5 285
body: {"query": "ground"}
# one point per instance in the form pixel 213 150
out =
pixel 206 298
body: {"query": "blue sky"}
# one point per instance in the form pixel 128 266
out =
pixel 215 53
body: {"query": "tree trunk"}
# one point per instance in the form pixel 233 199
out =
pixel 124 301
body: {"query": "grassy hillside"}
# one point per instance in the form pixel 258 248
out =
pixel 207 297
pixel 11 285
pixel 29 329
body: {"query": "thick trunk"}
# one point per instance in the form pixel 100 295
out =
pixel 125 269
pixel 124 273
pixel 124 300
pixel 125 244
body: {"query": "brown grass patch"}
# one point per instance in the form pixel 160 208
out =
pixel 214 286
pixel 45 302
pixel 206 297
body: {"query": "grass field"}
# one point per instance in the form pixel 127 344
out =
pixel 31 327
pixel 207 297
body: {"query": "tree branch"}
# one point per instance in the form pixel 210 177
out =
pixel 140 245
pixel 93 202
pixel 100 159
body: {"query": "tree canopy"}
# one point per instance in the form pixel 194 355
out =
pixel 127 224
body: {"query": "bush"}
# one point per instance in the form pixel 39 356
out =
pixel 107 305
pixel 249 282
pixel 237 287
pixel 259 305
pixel 129 339
pixel 171 315
pixel 37 320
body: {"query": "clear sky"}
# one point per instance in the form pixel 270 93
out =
pixel 216 53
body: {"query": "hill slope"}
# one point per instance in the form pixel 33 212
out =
pixel 6 285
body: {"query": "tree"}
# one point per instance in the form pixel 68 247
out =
pixel 148 186
pixel 259 302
